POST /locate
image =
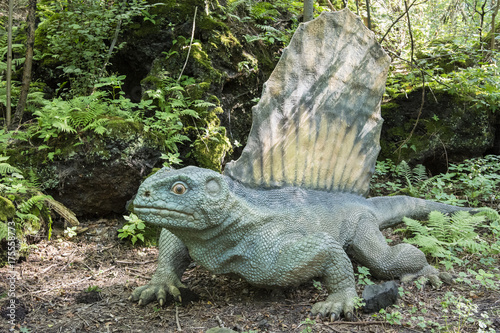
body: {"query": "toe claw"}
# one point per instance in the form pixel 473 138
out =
pixel 140 302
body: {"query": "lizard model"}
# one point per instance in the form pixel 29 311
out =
pixel 293 206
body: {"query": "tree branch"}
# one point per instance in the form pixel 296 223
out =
pixel 412 60
pixel 190 44
pixel 399 18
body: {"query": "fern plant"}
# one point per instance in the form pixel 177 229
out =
pixel 442 236
pixel 475 182
pixel 21 203
pixel 85 114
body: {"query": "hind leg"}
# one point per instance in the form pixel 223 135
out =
pixel 403 261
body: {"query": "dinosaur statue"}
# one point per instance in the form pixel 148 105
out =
pixel 293 206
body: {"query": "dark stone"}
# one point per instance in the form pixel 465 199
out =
pixel 102 187
pixel 379 296
pixel 88 297
pixel 99 177
pixel 449 130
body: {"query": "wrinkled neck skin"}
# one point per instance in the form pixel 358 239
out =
pixel 230 227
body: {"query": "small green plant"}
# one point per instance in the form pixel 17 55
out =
pixel 402 292
pixel 21 202
pixel 393 317
pixel 317 285
pixel 474 182
pixel 82 114
pixel 485 279
pixel 70 232
pixel 308 323
pixel 363 276
pixel 133 228
pixel 359 303
pixel 93 289
pixel 182 116
pixel 75 36
pixel 458 311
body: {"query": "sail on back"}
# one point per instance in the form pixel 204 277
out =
pixel 317 124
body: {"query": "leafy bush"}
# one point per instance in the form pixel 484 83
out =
pixel 180 115
pixel 22 204
pixel 133 229
pixel 475 181
pixel 76 35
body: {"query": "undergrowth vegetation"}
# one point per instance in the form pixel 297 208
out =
pixel 24 211
pixel 463 244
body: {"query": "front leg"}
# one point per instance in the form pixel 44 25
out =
pixel 299 258
pixel 173 259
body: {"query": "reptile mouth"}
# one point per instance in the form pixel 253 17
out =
pixel 163 212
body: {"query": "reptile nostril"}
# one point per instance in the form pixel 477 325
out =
pixel 147 193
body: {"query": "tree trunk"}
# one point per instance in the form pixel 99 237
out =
pixel 9 66
pixel 308 10
pixel 493 27
pixel 369 22
pixel 26 79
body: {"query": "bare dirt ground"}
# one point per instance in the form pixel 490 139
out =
pixel 82 285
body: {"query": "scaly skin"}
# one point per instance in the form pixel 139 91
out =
pixel 274 238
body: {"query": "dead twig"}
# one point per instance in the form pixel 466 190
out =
pixel 86 324
pixel 179 328
pixel 134 262
pixel 331 6
pixel 221 323
pixel 363 323
pixel 68 261
pixel 137 273
pixel 47 269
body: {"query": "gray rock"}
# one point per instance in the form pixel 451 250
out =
pixel 379 296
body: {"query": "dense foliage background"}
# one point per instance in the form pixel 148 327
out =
pixel 180 78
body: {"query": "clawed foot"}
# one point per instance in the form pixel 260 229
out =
pixel 158 291
pixel 435 277
pixel 338 303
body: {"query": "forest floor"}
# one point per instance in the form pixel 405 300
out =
pixel 82 285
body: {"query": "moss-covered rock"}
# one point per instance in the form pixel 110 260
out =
pixel 447 129
pixel 7 209
pixel 97 176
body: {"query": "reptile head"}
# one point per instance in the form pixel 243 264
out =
pixel 188 198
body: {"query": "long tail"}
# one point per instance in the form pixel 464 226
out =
pixel 391 210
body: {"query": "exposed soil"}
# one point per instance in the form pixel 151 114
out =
pixel 82 285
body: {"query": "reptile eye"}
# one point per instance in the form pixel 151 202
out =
pixel 179 188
